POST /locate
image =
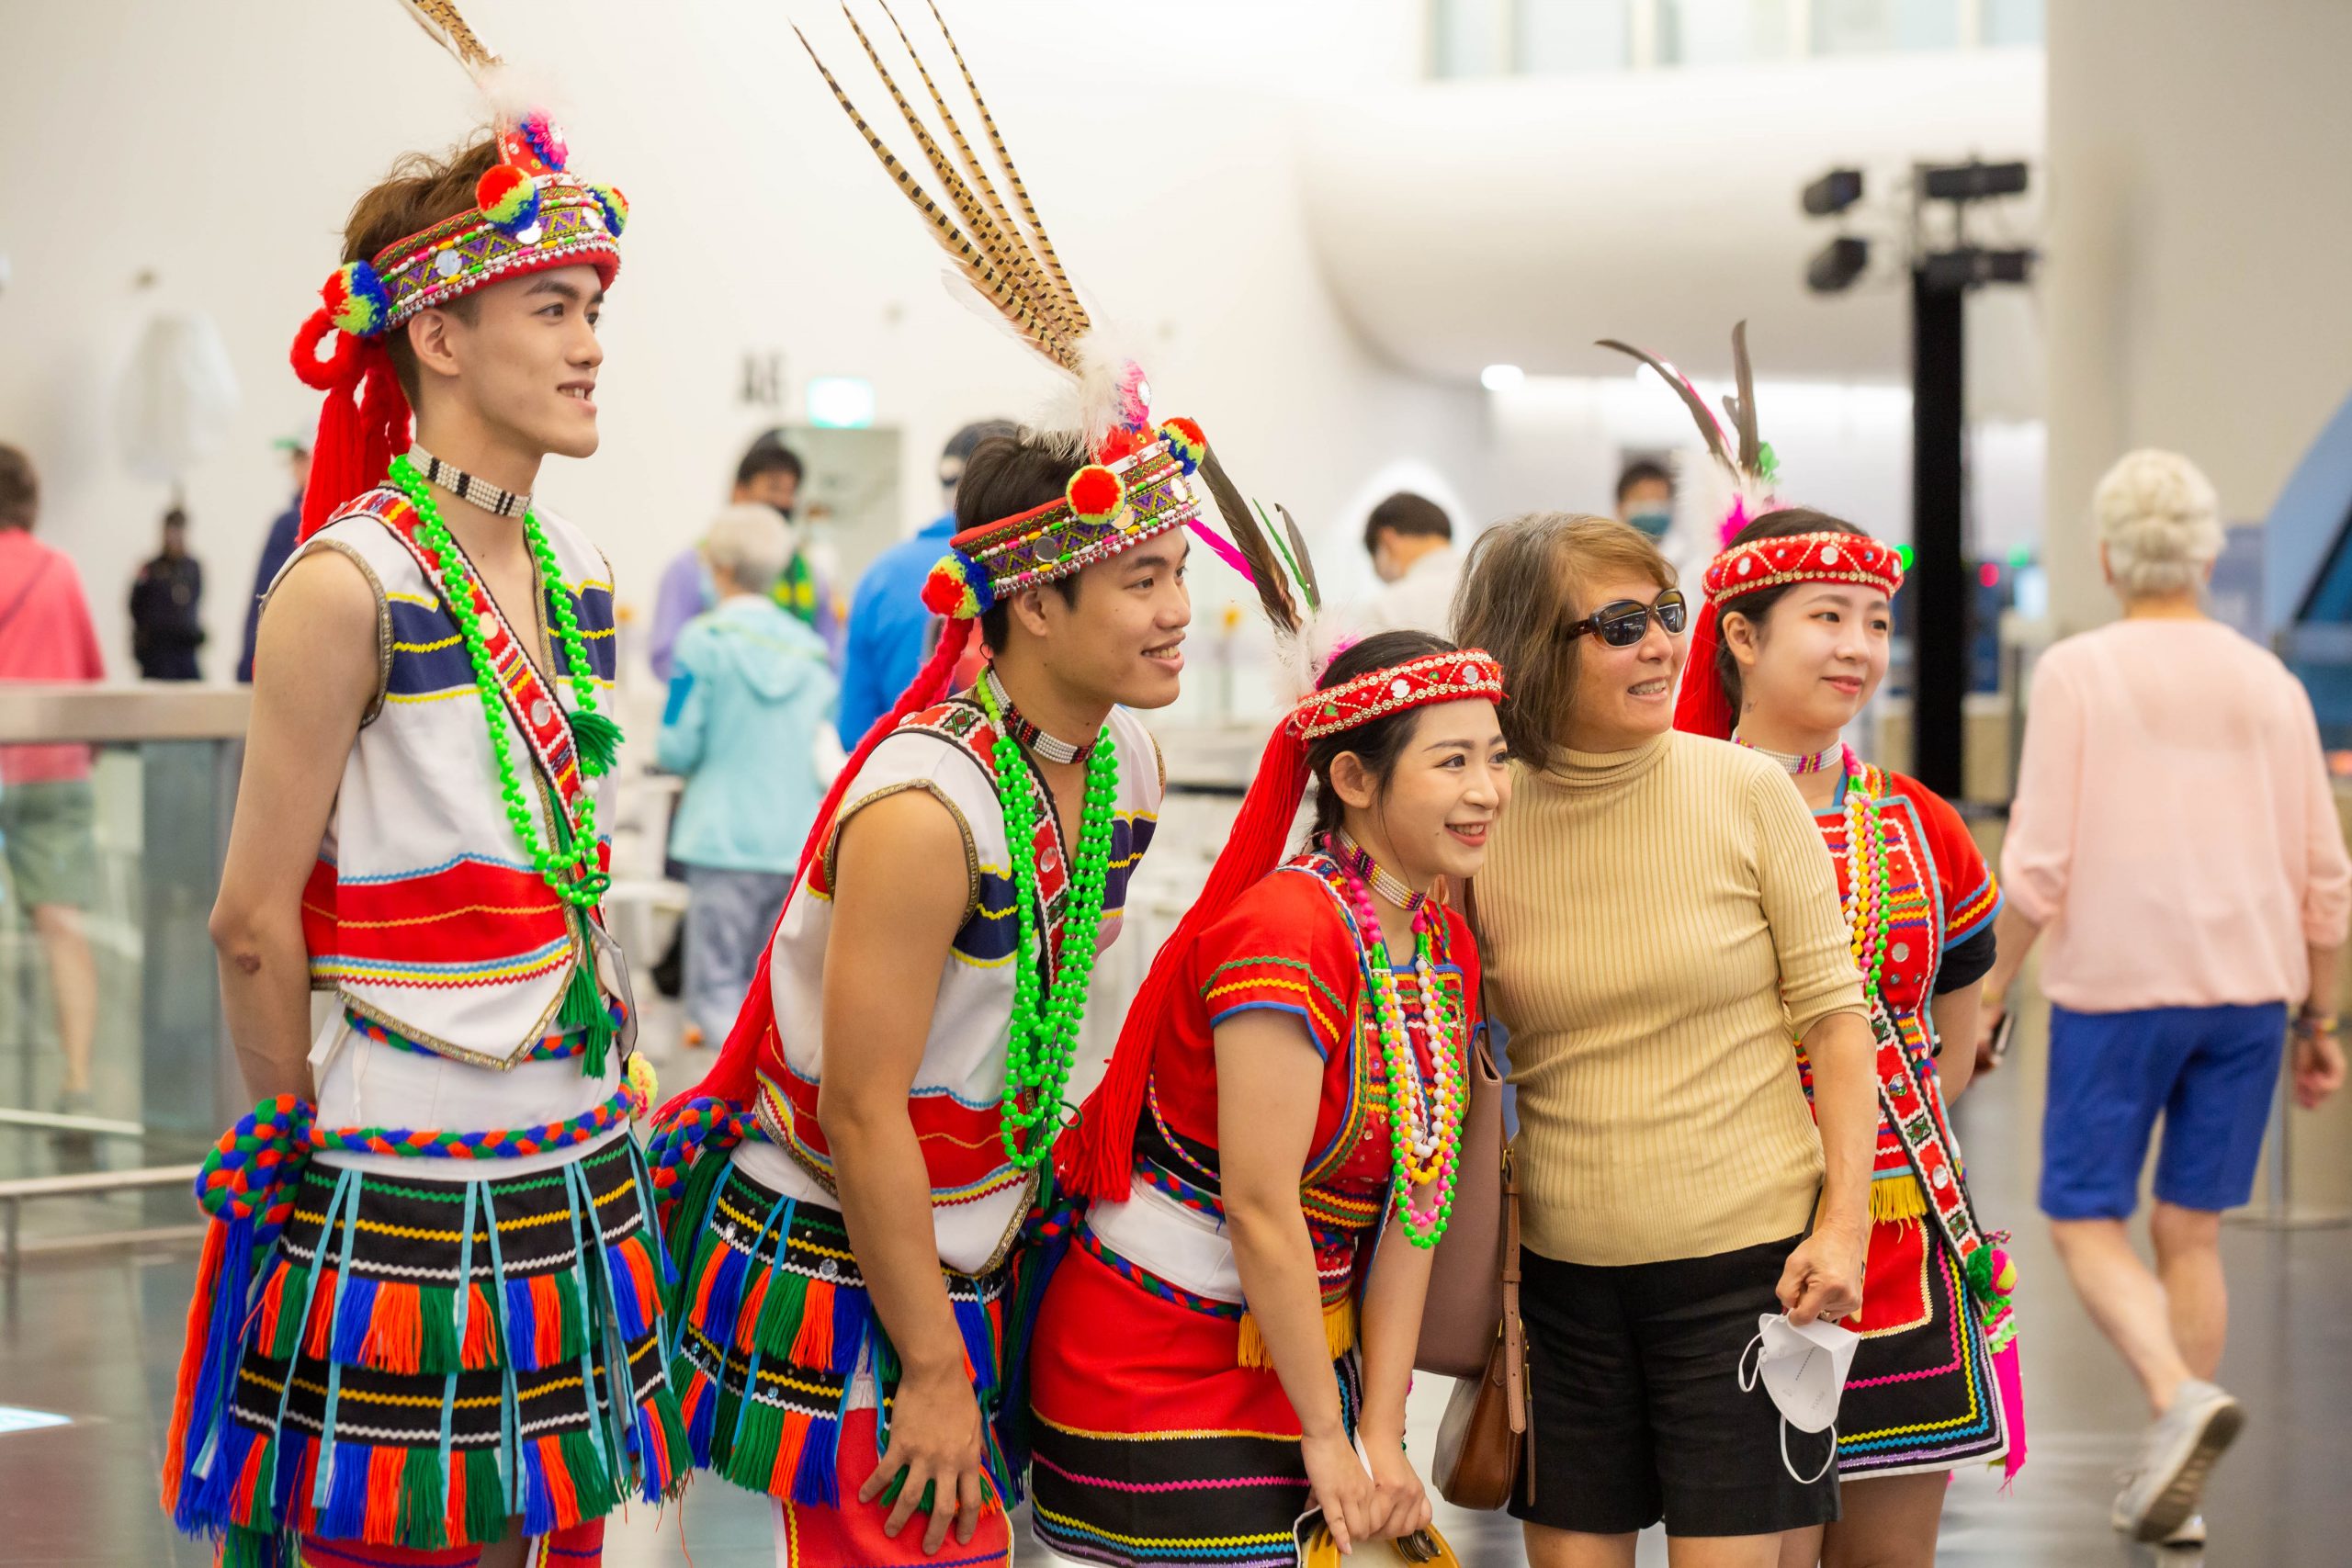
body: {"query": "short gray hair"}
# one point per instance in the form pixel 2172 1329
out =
pixel 751 543
pixel 2160 521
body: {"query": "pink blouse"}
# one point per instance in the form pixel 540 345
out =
pixel 2174 829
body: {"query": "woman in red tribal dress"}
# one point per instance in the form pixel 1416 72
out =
pixel 1933 1383
pixel 1240 1305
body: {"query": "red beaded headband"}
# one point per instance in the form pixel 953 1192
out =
pixel 1804 557
pixel 1417 683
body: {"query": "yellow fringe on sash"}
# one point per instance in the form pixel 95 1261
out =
pixel 1897 1198
pixel 1339 1334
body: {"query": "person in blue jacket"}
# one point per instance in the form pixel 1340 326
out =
pixel 751 692
pixel 890 630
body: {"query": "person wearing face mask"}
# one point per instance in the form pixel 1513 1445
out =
pixel 1241 1300
pixel 769 474
pixel 1659 920
pixel 1410 541
pixel 1793 643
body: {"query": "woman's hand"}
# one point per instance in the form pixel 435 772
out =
pixel 1823 1277
pixel 1340 1488
pixel 935 1442
pixel 1400 1503
pixel 1989 1013
pixel 2319 1061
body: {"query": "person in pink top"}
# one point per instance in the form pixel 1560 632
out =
pixel 45 805
pixel 2175 844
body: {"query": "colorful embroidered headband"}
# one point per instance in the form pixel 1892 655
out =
pixel 1418 683
pixel 1107 508
pixel 1703 707
pixel 529 215
pixel 1804 557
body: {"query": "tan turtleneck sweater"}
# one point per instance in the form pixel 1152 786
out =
pixel 1656 926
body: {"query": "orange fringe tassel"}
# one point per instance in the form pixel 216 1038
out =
pixel 384 1466
pixel 1339 1334
pixel 747 1317
pixel 395 1339
pixel 560 1486
pixel 481 1346
pixel 812 1345
pixel 788 1448
pixel 320 1331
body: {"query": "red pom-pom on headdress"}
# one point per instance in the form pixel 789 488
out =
pixel 508 198
pixel 1096 495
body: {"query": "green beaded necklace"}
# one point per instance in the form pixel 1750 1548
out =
pixel 570 865
pixel 1045 1040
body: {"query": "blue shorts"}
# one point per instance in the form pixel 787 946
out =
pixel 2209 1071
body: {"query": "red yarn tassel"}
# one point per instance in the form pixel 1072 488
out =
pixel 363 423
pixel 732 1076
pixel 1703 707
pixel 813 1344
pixel 200 1323
pixel 1097 1156
pixel 480 1348
pixel 396 1333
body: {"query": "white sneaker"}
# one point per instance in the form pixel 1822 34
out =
pixel 2174 1459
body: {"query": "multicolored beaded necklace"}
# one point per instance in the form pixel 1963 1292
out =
pixel 1358 858
pixel 1016 723
pixel 1425 1115
pixel 1866 880
pixel 571 866
pixel 1796 763
pixel 1044 1040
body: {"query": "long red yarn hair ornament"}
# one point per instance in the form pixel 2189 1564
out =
pixel 735 1074
pixel 1702 706
pixel 363 424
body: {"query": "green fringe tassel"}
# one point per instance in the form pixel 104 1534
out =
pixel 584 1010
pixel 598 741
pixel 242 1548
pixel 424 1507
pixel 592 1483
pixel 780 1313
pixel 485 1504
pixel 440 1347
pixel 681 1231
pixel 749 1458
pixel 673 1435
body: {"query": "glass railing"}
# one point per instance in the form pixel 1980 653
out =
pixel 1471 39
pixel 114 814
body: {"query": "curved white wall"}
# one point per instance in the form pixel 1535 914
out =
pixel 1467 224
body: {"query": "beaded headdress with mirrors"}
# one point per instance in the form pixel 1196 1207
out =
pixel 530 214
pixel 1139 471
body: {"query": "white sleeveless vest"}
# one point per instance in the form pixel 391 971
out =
pixel 979 1196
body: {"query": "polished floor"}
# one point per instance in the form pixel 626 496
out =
pixel 93 1340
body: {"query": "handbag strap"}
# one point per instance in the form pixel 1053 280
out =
pixel 1514 1335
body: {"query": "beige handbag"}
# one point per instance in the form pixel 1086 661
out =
pixel 1485 1440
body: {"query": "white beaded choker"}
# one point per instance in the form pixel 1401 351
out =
pixel 466 487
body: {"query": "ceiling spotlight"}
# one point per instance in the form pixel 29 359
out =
pixel 1834 269
pixel 1501 378
pixel 1833 193
pixel 1970 267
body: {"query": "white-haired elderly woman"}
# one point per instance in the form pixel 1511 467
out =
pixel 751 702
pixel 2174 846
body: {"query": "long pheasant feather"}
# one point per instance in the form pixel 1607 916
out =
pixel 1710 428
pixel 445 26
pixel 1045 245
pixel 978 224
pixel 1265 567
pixel 1030 270
pixel 1742 407
pixel 1305 561
pixel 951 239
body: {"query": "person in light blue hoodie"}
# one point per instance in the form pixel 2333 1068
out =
pixel 750 693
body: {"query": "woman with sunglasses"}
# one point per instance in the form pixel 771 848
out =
pixel 1791 644
pixel 1659 921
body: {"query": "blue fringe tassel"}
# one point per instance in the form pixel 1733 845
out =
pixel 726 1295
pixel 345 1517
pixel 979 1343
pixel 538 1498
pixel 206 1476
pixel 522 1327
pixel 635 1322
pixel 815 1484
pixel 355 1309
pixel 705 1425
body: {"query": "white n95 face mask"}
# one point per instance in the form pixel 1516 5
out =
pixel 1803 1369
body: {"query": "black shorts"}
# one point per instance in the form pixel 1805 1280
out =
pixel 1637 1409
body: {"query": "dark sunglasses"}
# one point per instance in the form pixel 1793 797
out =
pixel 1622 622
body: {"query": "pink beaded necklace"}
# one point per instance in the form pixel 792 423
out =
pixel 1425 1115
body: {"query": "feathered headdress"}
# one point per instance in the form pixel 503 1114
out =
pixel 1751 467
pixel 1136 481
pixel 529 215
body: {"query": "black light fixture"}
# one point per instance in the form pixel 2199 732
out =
pixel 1943 271
pixel 1835 268
pixel 1833 193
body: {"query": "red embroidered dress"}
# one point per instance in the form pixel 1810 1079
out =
pixel 1922 1395
pixel 1161 1435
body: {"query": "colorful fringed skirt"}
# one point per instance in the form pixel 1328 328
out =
pixel 1152 1443
pixel 787 1379
pixel 417 1358
pixel 1923 1393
